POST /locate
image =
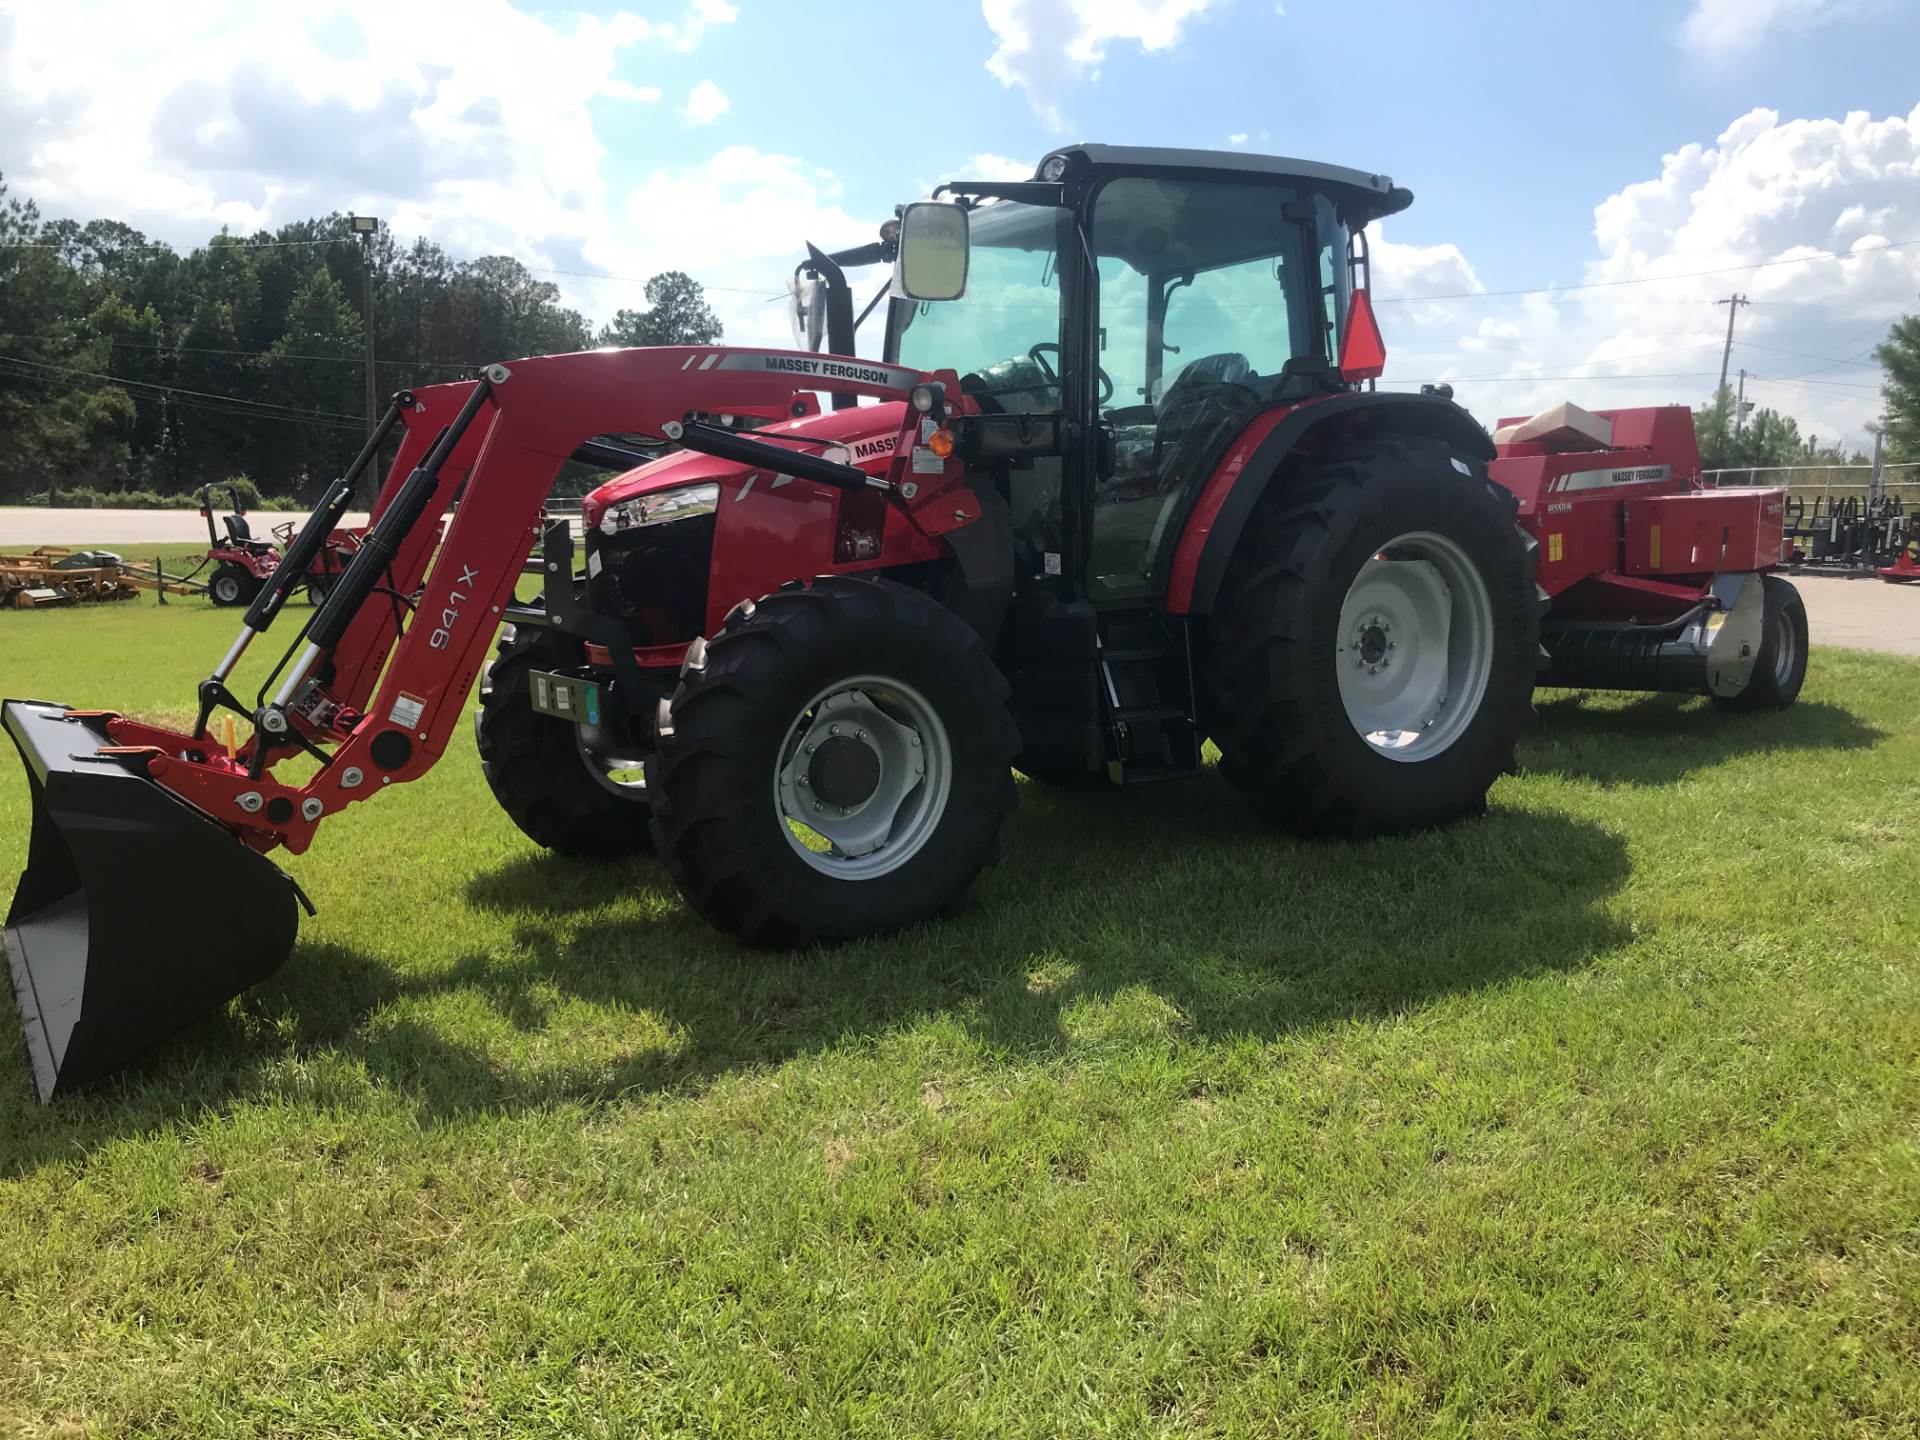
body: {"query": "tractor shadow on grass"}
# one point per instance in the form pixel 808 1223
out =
pixel 1158 916
pixel 1609 739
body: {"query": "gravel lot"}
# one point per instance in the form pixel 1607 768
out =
pixel 1861 614
pixel 34 525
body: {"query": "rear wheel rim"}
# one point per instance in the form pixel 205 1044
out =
pixel 862 778
pixel 1414 651
pixel 226 588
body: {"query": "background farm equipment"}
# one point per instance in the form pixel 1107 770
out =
pixel 1082 534
pixel 54 575
pixel 1846 535
pixel 242 563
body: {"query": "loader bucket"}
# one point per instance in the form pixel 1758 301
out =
pixel 136 913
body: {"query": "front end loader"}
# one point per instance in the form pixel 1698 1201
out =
pixel 1117 483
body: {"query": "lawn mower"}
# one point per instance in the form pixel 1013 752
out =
pixel 1118 482
pixel 242 564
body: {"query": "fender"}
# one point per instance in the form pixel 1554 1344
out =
pixel 1254 458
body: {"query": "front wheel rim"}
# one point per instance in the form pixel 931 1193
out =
pixel 1414 651
pixel 862 778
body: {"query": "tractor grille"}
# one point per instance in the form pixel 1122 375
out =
pixel 654 578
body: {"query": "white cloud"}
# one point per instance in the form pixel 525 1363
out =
pixel 995 167
pixel 737 223
pixel 473 127
pixel 1720 29
pixel 1047 47
pixel 1765 190
pixel 706 103
pixel 474 119
pixel 1239 137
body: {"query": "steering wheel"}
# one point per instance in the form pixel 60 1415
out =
pixel 1053 376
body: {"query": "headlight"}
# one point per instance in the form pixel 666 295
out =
pixel 657 509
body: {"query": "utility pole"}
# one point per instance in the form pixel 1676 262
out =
pixel 1733 304
pixel 366 227
pixel 1740 405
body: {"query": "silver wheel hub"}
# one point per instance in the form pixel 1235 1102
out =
pixel 624 775
pixel 1415 646
pixel 863 776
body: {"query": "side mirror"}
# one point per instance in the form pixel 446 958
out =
pixel 932 260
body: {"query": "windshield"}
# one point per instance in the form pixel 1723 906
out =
pixel 1003 337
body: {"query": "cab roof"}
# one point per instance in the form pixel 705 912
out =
pixel 1361 195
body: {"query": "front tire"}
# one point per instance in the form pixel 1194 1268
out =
pixel 1780 669
pixel 231 585
pixel 836 762
pixel 538 767
pixel 1390 552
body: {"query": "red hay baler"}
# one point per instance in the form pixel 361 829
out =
pixel 1652 581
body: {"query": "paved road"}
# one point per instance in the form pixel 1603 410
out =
pixel 1857 614
pixel 1861 614
pixel 32 525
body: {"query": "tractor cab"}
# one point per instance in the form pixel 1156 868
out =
pixel 1153 299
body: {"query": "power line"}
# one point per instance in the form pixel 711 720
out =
pixel 216 350
pixel 214 244
pixel 1654 279
pixel 125 380
pixel 211 407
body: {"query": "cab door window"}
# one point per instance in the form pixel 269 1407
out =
pixel 1205 294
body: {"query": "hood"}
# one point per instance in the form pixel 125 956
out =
pixel 867 430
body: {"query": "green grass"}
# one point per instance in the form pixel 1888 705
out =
pixel 1593 1116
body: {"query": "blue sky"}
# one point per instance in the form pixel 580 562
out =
pixel 1547 145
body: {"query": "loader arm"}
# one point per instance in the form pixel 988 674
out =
pixel 381 678
pixel 136 826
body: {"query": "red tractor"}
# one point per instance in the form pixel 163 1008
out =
pixel 241 564
pixel 1120 484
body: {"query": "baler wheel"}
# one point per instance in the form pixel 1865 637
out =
pixel 836 762
pixel 541 769
pixel 1780 669
pixel 1370 662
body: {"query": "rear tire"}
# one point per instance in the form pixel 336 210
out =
pixel 1289 730
pixel 319 587
pixel 231 585
pixel 905 670
pixel 1780 669
pixel 536 766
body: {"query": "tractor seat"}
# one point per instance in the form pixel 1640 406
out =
pixel 238 530
pixel 1012 387
pixel 1229 367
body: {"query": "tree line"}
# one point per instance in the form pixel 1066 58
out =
pixel 128 366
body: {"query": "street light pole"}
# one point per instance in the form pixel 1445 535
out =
pixel 366 227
